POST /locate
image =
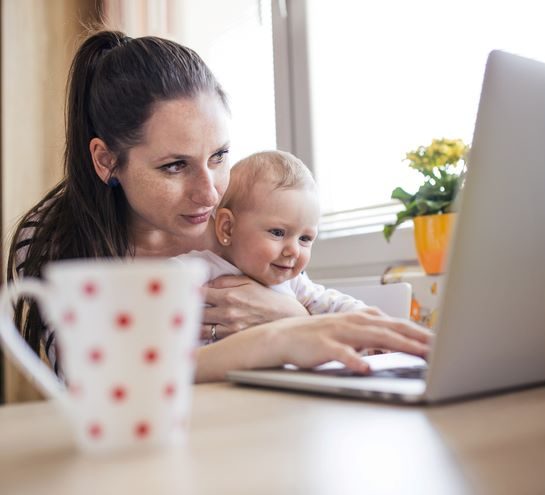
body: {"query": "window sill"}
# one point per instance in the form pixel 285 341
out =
pixel 365 254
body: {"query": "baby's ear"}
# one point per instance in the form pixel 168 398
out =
pixel 225 220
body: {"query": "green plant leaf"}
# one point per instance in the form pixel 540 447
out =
pixel 401 217
pixel 388 230
pixel 430 207
pixel 401 195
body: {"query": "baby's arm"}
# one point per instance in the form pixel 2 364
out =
pixel 319 300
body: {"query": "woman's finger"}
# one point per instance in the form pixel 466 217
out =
pixel 213 332
pixel 214 297
pixel 228 281
pixel 223 331
pixel 385 338
pixel 372 310
pixel 359 333
pixel 225 297
pixel 207 333
pixel 411 330
pixel 228 317
pixel 404 327
pixel 349 357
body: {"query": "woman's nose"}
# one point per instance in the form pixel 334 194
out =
pixel 204 191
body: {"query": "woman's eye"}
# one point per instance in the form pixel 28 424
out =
pixel 174 167
pixel 277 232
pixel 220 156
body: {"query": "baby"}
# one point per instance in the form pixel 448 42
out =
pixel 266 224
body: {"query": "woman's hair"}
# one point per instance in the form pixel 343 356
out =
pixel 279 169
pixel 113 85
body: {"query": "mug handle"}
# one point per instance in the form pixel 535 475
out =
pixel 16 347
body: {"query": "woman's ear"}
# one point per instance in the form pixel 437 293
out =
pixel 103 159
pixel 225 221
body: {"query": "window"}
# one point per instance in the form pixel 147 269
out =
pixel 385 77
pixel 369 81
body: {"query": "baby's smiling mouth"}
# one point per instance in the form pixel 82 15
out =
pixel 281 267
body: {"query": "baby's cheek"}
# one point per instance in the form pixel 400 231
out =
pixel 304 258
pixel 245 260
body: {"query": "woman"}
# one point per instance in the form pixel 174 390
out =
pixel 146 163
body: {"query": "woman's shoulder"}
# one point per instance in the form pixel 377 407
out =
pixel 26 232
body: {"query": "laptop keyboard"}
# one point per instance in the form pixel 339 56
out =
pixel 404 372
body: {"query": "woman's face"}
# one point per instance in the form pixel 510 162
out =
pixel 176 176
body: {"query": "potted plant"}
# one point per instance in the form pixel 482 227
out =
pixel 441 164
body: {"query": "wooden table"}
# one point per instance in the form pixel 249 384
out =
pixel 252 441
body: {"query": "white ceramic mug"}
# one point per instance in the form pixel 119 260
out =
pixel 126 333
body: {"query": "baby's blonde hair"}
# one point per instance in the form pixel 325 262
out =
pixel 280 169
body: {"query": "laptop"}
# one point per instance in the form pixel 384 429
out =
pixel 491 326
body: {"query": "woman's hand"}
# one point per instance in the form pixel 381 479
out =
pixel 238 302
pixel 342 337
pixel 311 341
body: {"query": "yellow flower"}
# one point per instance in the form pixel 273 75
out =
pixel 439 153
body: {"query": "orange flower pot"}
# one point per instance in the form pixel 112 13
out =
pixel 432 236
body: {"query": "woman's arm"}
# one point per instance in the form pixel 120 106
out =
pixel 238 302
pixel 310 341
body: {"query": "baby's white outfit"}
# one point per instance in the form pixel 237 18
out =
pixel 314 297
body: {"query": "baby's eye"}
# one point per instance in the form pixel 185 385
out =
pixel 277 232
pixel 307 239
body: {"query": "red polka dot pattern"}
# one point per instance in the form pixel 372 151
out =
pixel 90 289
pixel 118 394
pixel 95 430
pixel 142 429
pixel 96 355
pixel 170 390
pixel 74 389
pixel 155 287
pixel 123 321
pixel 69 317
pixel 151 355
pixel 177 321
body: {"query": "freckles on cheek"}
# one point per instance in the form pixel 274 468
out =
pixel 167 195
pixel 154 192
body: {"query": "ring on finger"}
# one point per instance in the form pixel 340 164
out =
pixel 214 335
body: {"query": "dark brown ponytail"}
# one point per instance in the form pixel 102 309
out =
pixel 113 84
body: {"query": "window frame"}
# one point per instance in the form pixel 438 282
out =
pixel 362 251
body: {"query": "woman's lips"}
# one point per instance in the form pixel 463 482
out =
pixel 198 218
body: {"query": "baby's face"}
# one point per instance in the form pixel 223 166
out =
pixel 272 241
